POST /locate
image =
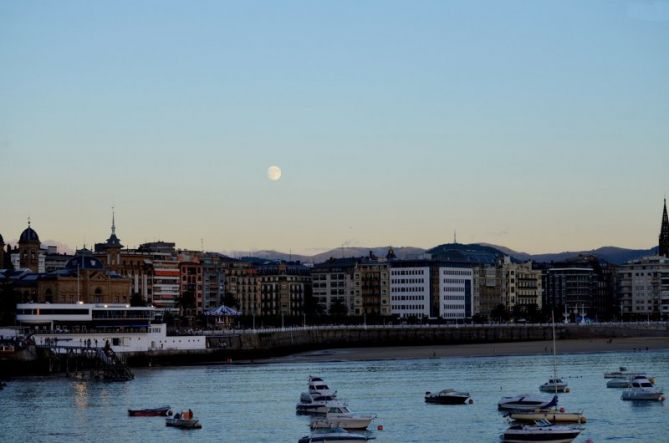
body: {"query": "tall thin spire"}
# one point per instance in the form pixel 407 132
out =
pixel 113 222
pixel 663 248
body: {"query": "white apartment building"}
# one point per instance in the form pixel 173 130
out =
pixel 410 291
pixel 643 286
pixel 456 293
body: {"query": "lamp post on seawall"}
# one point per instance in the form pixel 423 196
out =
pixel 254 320
pixel 282 327
pixel 304 320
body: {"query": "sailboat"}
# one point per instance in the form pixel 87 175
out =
pixel 554 384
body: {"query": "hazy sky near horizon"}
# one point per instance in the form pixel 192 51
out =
pixel 541 126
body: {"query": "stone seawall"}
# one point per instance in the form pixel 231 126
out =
pixel 248 345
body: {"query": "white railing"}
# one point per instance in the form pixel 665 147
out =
pixel 228 332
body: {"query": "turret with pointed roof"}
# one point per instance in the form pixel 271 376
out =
pixel 664 233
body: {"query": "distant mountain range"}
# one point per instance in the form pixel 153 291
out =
pixel 475 252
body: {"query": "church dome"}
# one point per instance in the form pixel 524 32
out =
pixel 84 262
pixel 29 235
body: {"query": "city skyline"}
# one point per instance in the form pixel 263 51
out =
pixel 536 127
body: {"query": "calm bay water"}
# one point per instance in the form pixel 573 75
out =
pixel 256 403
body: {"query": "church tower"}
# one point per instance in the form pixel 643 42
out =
pixel 2 252
pixel 29 249
pixel 664 233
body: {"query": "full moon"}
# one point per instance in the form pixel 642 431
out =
pixel 274 173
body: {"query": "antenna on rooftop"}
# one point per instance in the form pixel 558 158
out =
pixel 455 236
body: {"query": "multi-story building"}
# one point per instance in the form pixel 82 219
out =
pixel 190 278
pixel 488 284
pixel 568 287
pixel 333 285
pixel 284 288
pixel 166 274
pixel 214 268
pixel 410 288
pixel 372 288
pixel 456 292
pixel 521 285
pixel 643 287
pixel 242 284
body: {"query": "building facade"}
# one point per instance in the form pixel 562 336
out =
pixel 643 288
pixel 333 285
pixel 456 292
pixel 372 288
pixel 410 289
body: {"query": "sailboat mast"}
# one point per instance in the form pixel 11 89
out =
pixel 554 355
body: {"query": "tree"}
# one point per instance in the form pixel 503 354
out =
pixel 136 300
pixel 500 313
pixel 230 300
pixel 338 308
pixel 186 302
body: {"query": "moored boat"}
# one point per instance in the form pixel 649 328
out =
pixel 552 415
pixel 341 417
pixel 542 431
pixel 184 420
pixel 526 402
pixel 643 390
pixel 315 404
pixel 162 411
pixel 334 436
pixel 554 385
pixel 448 397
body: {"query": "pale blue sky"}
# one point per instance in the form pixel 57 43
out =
pixel 541 126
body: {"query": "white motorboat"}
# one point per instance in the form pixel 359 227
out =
pixel 542 431
pixel 554 385
pixel 626 382
pixel 318 386
pixel 643 390
pixel 449 397
pixel 315 403
pixel 341 417
pixel 334 436
pixel 526 402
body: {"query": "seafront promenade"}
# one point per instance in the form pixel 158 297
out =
pixel 259 344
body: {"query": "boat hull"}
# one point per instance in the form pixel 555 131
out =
pixel 566 436
pixel 183 424
pixel 447 399
pixel 350 424
pixel 155 412
pixel 524 404
pixel 553 417
pixel 562 389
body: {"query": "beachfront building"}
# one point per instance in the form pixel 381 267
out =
pixel 372 291
pixel 456 292
pixel 241 284
pixel 521 285
pixel 410 294
pixel 333 285
pixel 283 288
pixel 190 279
pixel 643 288
pixel 166 273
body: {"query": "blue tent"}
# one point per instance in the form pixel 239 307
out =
pixel 222 311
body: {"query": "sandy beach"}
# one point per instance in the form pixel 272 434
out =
pixel 641 344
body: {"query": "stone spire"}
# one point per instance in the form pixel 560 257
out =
pixel 113 222
pixel 664 233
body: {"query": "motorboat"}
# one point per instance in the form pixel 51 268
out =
pixel 315 403
pixel 341 417
pixel 162 411
pixel 526 402
pixel 184 420
pixel 448 397
pixel 627 382
pixel 623 373
pixel 553 415
pixel 318 386
pixel 554 385
pixel 643 390
pixel 542 431
pixel 334 436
